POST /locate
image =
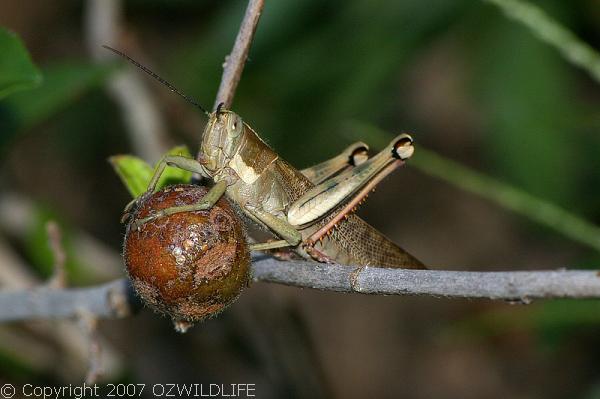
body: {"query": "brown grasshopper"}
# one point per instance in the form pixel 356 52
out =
pixel 311 210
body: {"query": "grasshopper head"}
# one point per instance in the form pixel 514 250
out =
pixel 222 139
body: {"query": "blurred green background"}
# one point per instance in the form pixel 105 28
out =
pixel 503 122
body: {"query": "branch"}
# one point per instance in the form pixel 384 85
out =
pixel 235 61
pixel 112 300
pixel 519 285
pixel 116 299
pixel 59 275
pixel 16 214
pixel 89 325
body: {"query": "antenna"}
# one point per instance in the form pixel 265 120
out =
pixel 155 76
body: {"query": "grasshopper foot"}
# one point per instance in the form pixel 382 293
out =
pixel 132 205
pixel 127 212
pixel 125 217
pixel 317 255
pixel 282 254
pixel 138 223
pixel 275 248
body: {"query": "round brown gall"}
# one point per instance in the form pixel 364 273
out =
pixel 188 265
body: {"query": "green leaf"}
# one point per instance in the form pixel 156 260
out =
pixel 17 72
pixel 135 173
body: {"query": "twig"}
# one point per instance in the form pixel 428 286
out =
pixel 59 276
pixel 89 325
pixel 235 61
pixel 111 300
pixel 15 276
pixel 510 286
pixel 521 286
pixel 88 322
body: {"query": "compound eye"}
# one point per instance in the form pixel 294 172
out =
pixel 235 126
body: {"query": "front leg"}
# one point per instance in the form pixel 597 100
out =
pixel 207 202
pixel 177 161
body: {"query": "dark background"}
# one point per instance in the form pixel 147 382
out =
pixel 470 84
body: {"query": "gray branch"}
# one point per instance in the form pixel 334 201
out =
pixel 116 299
pixel 509 286
pixel 112 300
pixel 236 60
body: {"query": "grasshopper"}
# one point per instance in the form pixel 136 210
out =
pixel 309 210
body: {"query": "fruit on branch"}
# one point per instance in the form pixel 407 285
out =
pixel 187 265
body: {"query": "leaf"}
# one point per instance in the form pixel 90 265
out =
pixel 135 173
pixel 17 72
